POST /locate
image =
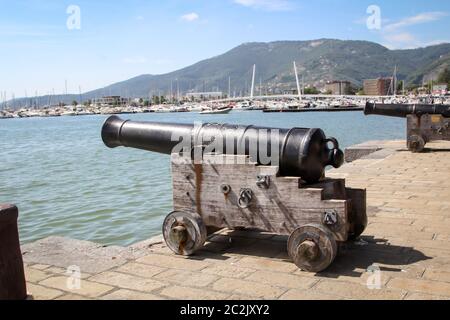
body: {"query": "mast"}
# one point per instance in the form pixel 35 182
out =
pixel 150 95
pixel 260 87
pixel 253 82
pixel 303 84
pixel 299 91
pixel 50 97
pixel 393 88
pixel 178 92
pixel 229 87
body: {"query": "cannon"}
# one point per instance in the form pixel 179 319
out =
pixel 300 152
pixel 248 177
pixel 425 122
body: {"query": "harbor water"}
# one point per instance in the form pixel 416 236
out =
pixel 67 183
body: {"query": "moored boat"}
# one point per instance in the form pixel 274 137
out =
pixel 217 111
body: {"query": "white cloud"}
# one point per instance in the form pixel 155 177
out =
pixel 29 30
pixel 162 61
pixel 190 17
pixel 408 41
pixel 436 42
pixel 268 5
pixel 404 37
pixel 134 60
pixel 396 36
pixel 414 20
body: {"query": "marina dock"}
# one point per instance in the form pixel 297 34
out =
pixel 404 254
pixel 340 109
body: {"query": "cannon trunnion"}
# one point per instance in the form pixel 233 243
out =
pixel 235 190
pixel 425 123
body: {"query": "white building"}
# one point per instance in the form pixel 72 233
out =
pixel 205 95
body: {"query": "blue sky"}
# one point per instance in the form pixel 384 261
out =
pixel 117 40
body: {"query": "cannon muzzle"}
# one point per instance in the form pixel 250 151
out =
pixel 403 110
pixel 299 152
pixel 111 132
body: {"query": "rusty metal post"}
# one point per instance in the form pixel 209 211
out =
pixel 12 275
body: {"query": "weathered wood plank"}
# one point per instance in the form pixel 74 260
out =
pixel 429 127
pixel 281 208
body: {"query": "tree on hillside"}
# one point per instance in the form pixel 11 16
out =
pixel 155 99
pixel 311 90
pixel 400 86
pixel 444 76
pixel 353 90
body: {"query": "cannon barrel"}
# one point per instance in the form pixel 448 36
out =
pixel 302 152
pixel 403 110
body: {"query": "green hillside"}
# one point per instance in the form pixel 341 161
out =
pixel 318 61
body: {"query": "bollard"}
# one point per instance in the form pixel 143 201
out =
pixel 12 275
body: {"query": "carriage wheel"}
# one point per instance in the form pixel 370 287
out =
pixel 416 143
pixel 312 247
pixel 358 225
pixel 184 232
pixel 358 229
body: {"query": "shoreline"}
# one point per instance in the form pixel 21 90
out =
pixel 355 109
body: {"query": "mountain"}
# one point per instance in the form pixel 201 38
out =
pixel 317 61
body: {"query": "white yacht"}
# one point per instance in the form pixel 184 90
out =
pixel 244 106
pixel 217 111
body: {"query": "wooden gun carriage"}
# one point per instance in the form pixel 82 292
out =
pixel 422 129
pixel 233 190
pixel 221 194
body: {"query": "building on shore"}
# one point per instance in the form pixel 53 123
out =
pixel 440 89
pixel 290 91
pixel 204 95
pixel 338 87
pixel 378 87
pixel 111 101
